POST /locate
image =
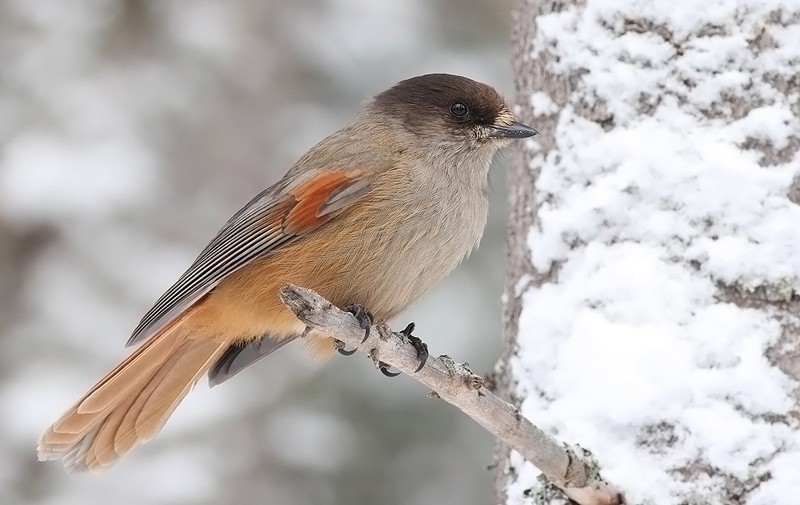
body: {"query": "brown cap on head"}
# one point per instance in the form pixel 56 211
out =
pixel 458 102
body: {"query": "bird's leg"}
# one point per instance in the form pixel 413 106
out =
pixel 365 320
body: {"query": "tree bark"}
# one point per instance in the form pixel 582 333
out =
pixel 608 84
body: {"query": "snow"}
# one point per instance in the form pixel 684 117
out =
pixel 646 222
pixel 543 104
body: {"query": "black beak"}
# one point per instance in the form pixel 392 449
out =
pixel 513 131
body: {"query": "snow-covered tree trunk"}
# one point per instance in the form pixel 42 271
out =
pixel 653 314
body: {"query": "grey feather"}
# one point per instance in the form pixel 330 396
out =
pixel 243 239
pixel 345 196
pixel 238 357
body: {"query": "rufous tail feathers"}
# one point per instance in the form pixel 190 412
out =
pixel 130 405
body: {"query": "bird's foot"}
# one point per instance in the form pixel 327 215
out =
pixel 365 320
pixel 420 346
pixel 363 316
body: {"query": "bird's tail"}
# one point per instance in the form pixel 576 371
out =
pixel 130 405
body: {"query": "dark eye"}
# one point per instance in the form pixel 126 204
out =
pixel 458 109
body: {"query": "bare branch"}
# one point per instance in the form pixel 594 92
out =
pixel 455 383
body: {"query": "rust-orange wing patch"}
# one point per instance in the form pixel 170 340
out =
pixel 311 196
pixel 276 217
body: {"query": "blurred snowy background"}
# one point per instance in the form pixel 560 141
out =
pixel 129 132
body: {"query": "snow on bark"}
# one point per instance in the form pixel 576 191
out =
pixel 656 308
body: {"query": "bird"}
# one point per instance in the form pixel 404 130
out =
pixel 371 217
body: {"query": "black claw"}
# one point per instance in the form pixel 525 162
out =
pixel 339 346
pixel 363 316
pixel 384 368
pixel 422 351
pixel 420 346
